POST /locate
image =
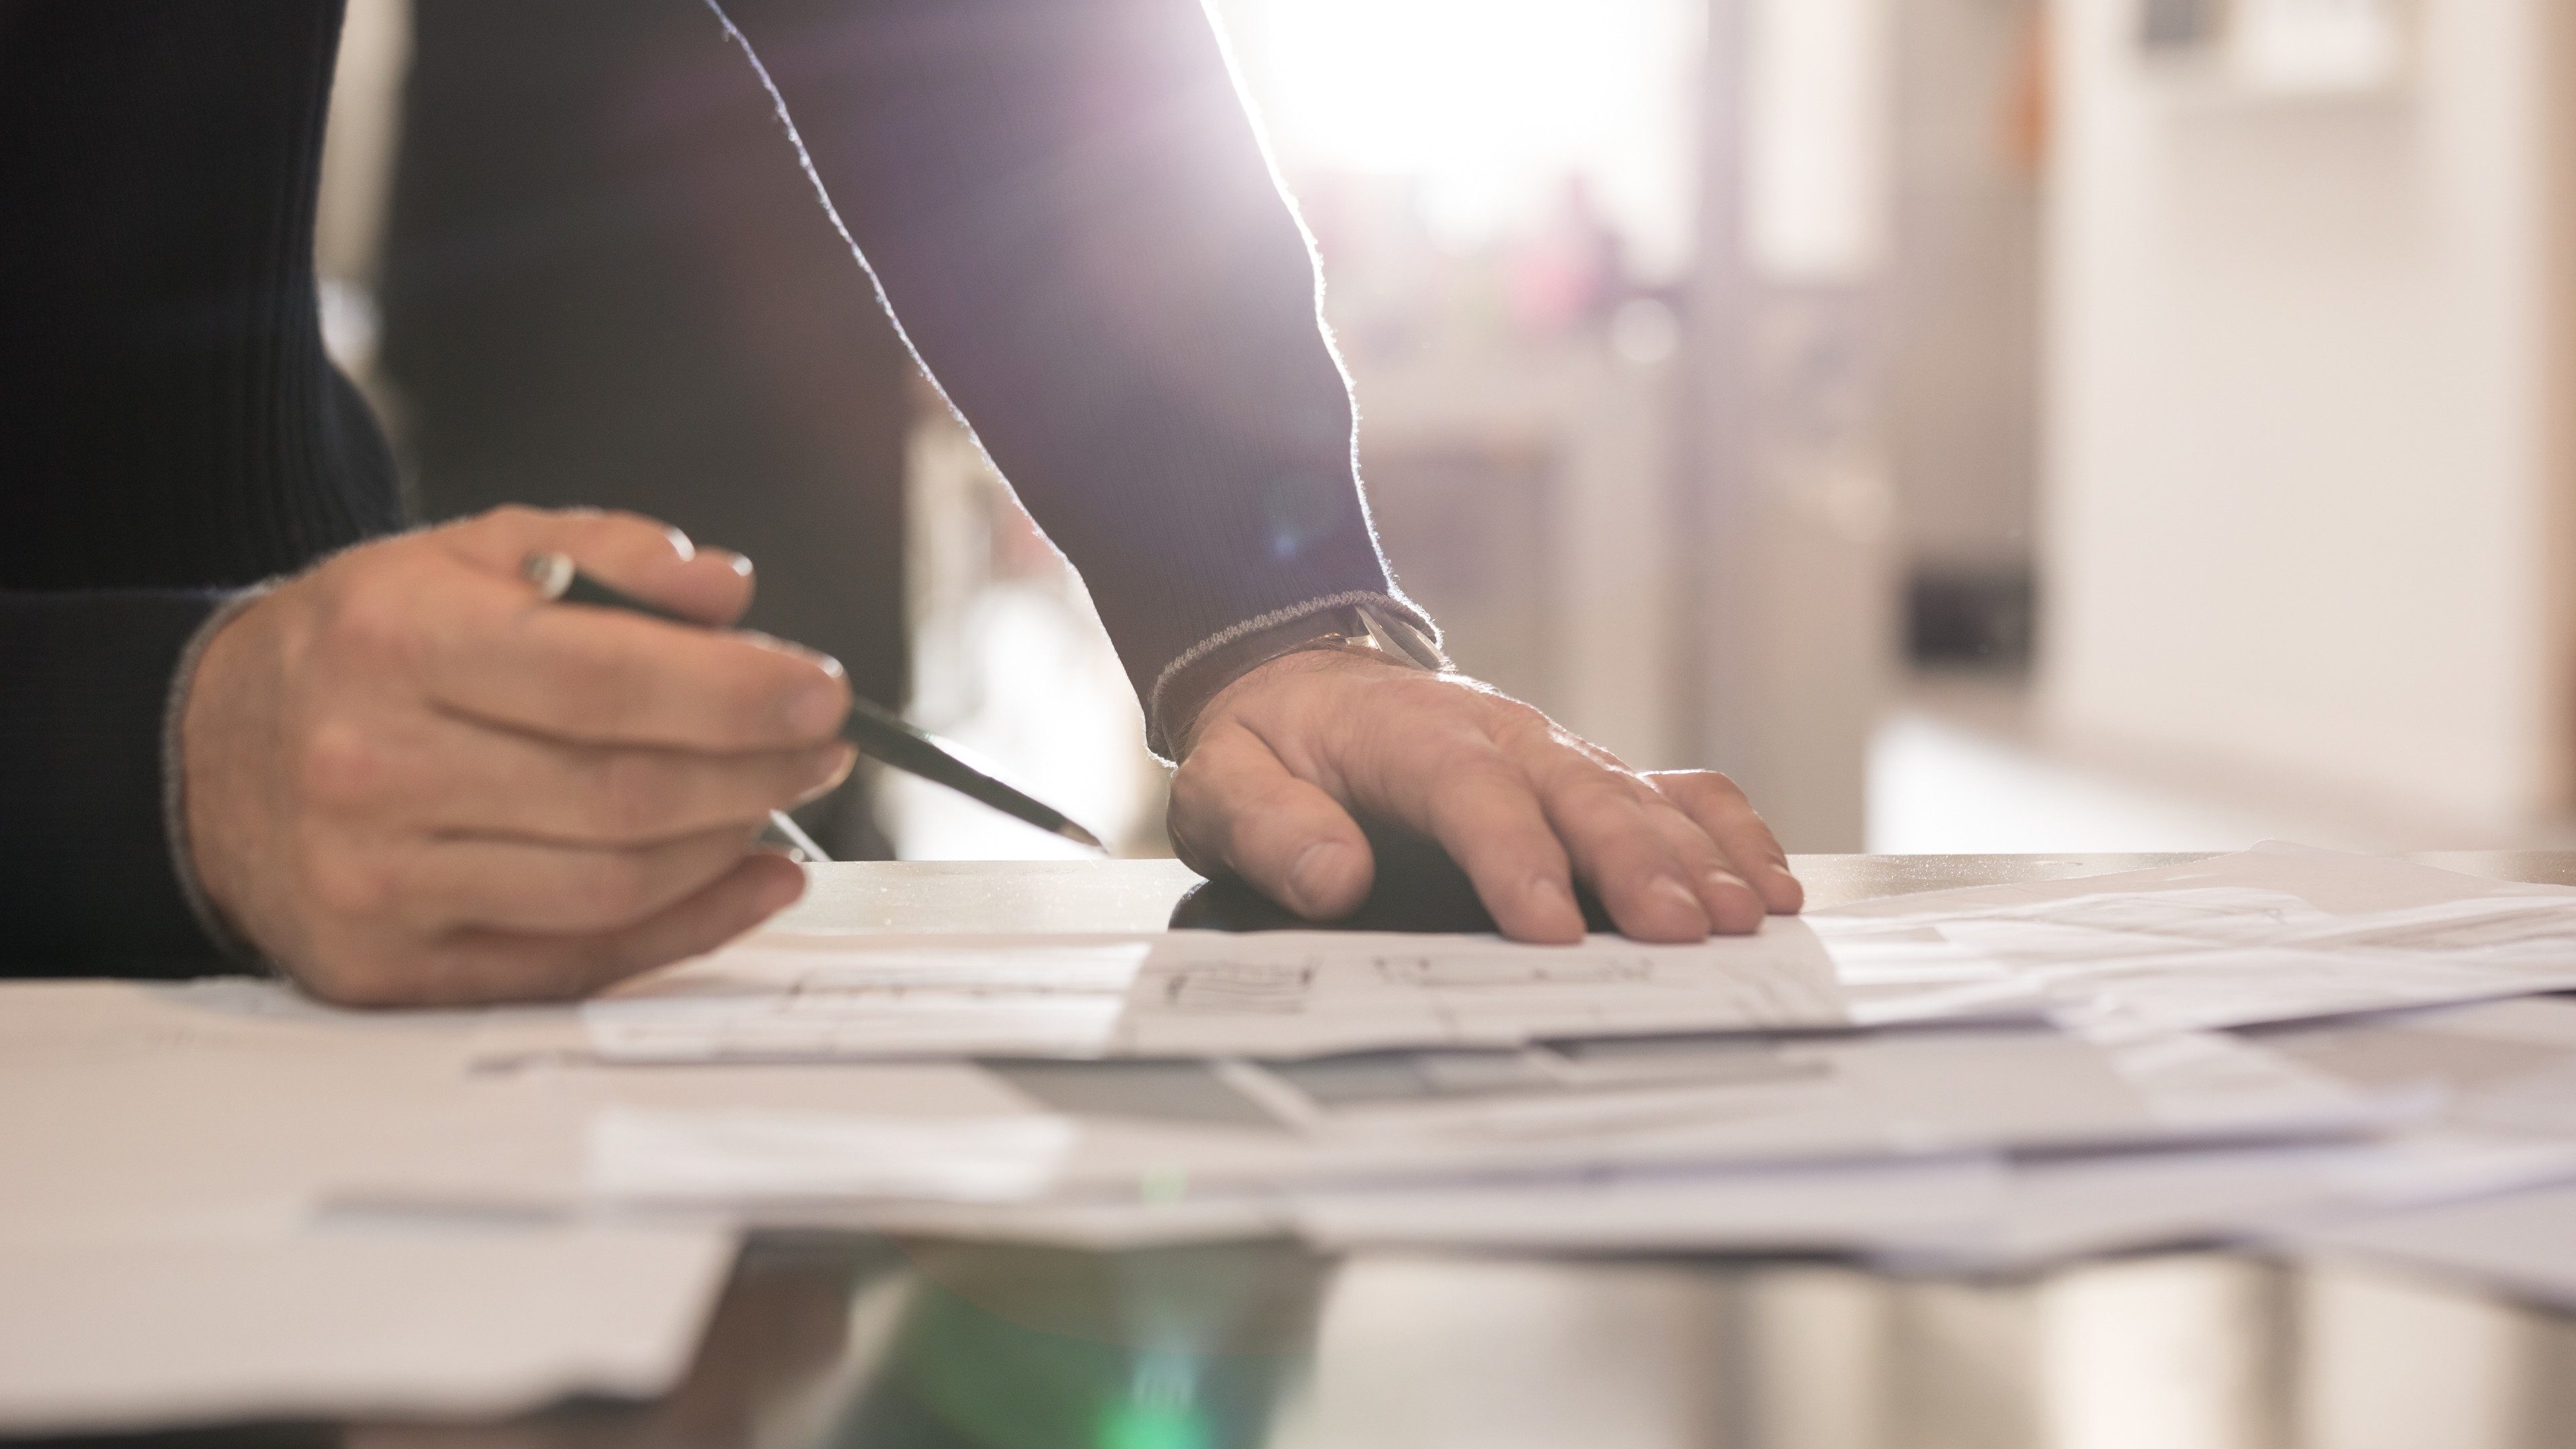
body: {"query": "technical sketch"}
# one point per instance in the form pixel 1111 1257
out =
pixel 782 994
pixel 1503 970
pixel 1272 987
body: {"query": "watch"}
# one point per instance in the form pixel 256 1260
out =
pixel 1367 627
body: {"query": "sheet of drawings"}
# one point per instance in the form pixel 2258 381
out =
pixel 2271 935
pixel 788 995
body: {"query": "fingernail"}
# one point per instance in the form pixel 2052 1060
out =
pixel 1741 907
pixel 816 707
pixel 680 544
pixel 1682 897
pixel 1547 893
pixel 836 768
pixel 738 563
pixel 1310 879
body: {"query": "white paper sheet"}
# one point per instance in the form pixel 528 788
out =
pixel 2275 934
pixel 2055 1209
pixel 1124 1151
pixel 357 1320
pixel 786 995
pixel 2523 1244
pixel 2501 1065
pixel 166 1150
pixel 1980 1214
pixel 1829 1208
pixel 716 1156
pixel 150 1106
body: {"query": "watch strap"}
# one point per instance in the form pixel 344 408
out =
pixel 1366 627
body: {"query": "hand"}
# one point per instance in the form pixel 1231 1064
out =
pixel 410 781
pixel 1279 761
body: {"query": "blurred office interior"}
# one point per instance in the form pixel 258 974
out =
pixel 1978 425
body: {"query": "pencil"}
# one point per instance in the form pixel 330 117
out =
pixel 878 734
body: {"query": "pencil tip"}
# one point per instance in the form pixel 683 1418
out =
pixel 1080 836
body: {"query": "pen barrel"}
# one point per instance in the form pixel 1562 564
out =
pixel 880 736
pixel 884 738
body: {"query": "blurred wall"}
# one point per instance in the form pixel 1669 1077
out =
pixel 1963 322
pixel 2307 465
pixel 1790 553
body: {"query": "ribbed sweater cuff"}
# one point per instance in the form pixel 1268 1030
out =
pixel 86 864
pixel 1203 670
pixel 174 781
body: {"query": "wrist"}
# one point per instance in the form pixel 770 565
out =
pixel 197 817
pixel 1369 625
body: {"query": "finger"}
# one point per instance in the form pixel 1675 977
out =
pixel 1453 785
pixel 602 677
pixel 481 965
pixel 1234 804
pixel 650 560
pixel 1720 808
pixel 451 776
pixel 1651 893
pixel 520 885
pixel 1733 906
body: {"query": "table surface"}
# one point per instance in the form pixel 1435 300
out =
pixel 865 1341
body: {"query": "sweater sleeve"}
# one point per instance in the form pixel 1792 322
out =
pixel 86 861
pixel 1064 205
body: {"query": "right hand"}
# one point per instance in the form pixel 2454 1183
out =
pixel 409 781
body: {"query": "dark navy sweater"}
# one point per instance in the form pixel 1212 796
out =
pixel 1062 201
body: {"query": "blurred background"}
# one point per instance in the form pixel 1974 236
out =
pixel 1978 425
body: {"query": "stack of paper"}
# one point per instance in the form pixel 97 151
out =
pixel 168 1253
pixel 2074 1059
pixel 337 1319
pixel 791 996
pixel 1987 1077
pixel 2347 1054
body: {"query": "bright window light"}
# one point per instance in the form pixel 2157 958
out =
pixel 1488 104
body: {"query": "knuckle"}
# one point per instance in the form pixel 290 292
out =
pixel 369 617
pixel 1597 796
pixel 1706 786
pixel 341 763
pixel 515 525
pixel 1473 755
pixel 619 529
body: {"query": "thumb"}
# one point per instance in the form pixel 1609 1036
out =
pixel 1235 806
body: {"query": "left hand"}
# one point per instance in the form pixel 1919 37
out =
pixel 1281 759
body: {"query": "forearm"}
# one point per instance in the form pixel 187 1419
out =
pixel 1065 206
pixel 87 859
